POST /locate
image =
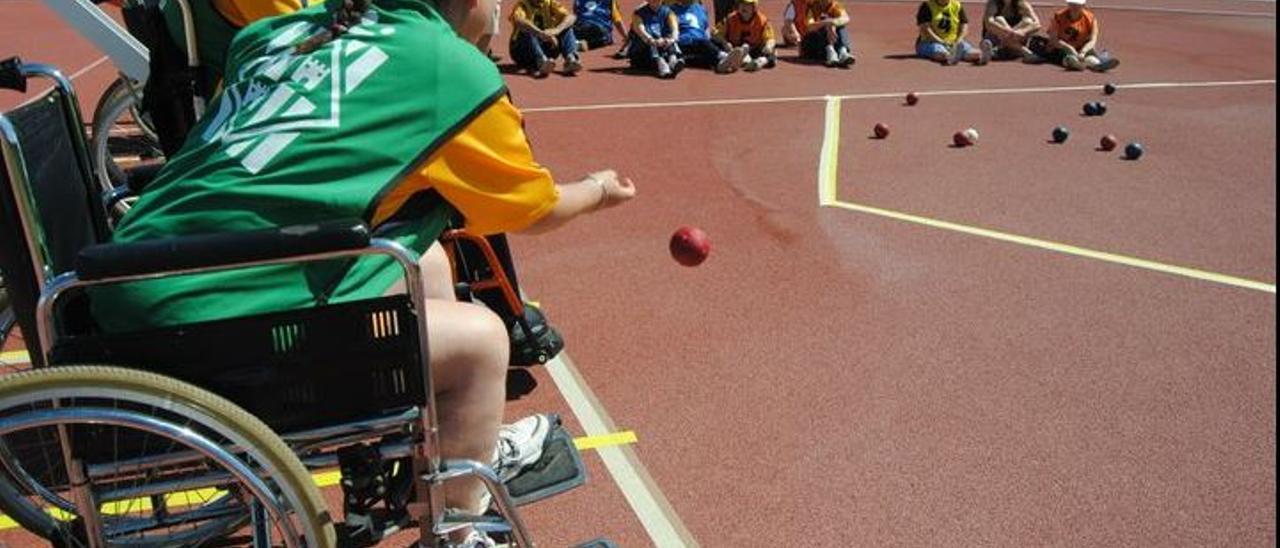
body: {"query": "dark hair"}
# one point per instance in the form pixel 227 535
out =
pixel 346 16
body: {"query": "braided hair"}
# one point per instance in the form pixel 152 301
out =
pixel 348 15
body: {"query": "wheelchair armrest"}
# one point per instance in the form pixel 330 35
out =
pixel 215 250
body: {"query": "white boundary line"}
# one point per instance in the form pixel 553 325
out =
pixel 72 78
pixel 890 95
pixel 647 501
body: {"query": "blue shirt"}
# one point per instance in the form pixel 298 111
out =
pixel 655 22
pixel 594 12
pixel 693 22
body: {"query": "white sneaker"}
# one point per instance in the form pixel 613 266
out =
pixel 476 539
pixel 572 65
pixel 752 64
pixel 832 58
pixel 844 58
pixel 985 50
pixel 1071 62
pixel 520 445
pixel 664 69
pixel 731 62
pixel 545 67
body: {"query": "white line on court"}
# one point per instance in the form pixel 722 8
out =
pixel 647 501
pixel 892 95
pixel 72 78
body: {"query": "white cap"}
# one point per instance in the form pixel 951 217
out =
pixel 1076 2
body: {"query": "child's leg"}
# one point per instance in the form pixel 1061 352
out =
pixel 934 51
pixel 790 36
pixel 568 44
pixel 813 45
pixel 842 40
pixel 526 50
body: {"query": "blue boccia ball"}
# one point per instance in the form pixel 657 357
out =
pixel 1100 108
pixel 1133 151
pixel 1060 134
pixel 1091 109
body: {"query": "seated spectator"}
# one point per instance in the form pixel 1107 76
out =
pixel 543 30
pixel 597 19
pixel 696 42
pixel 826 36
pixel 749 30
pixel 1009 25
pixel 1073 40
pixel 652 43
pixel 943 25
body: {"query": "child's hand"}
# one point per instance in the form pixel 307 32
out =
pixel 614 191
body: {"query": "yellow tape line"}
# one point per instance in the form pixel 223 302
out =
pixel 829 156
pixel 15 356
pixel 322 479
pixel 605 440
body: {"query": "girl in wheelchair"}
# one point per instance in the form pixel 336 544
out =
pixel 382 110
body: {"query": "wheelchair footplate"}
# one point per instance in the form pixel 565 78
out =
pixel 560 469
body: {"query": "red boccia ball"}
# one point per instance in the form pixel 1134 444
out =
pixel 1108 143
pixel 690 246
pixel 881 131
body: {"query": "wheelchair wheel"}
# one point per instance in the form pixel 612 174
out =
pixel 122 137
pixel 156 461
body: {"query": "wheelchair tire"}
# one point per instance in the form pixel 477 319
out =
pixel 91 389
pixel 118 103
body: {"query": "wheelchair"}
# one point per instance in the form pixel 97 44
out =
pixel 207 432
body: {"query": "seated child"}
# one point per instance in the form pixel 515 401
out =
pixel 1073 40
pixel 826 36
pixel 597 19
pixel 749 30
pixel 695 40
pixel 1009 26
pixel 543 31
pixel 652 43
pixel 943 25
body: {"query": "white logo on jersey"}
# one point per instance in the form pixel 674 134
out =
pixel 259 117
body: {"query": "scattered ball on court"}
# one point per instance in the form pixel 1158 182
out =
pixel 912 98
pixel 1108 143
pixel 1091 109
pixel 1100 108
pixel 1109 88
pixel 881 131
pixel 965 138
pixel 690 246
pixel 1133 151
pixel 1060 134
pixel 972 134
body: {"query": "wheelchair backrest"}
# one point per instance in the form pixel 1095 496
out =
pixel 48 208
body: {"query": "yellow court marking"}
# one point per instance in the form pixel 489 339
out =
pixel 606 440
pixel 15 356
pixel 830 153
pixel 322 479
pixel 1062 248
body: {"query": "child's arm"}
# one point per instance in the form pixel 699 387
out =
pixel 522 22
pixel 637 27
pixel 567 19
pixel 618 25
pixel 840 21
pixel 1093 40
pixel 675 28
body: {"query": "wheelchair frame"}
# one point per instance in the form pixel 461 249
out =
pixel 430 471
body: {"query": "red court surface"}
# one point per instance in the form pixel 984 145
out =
pixel 1014 344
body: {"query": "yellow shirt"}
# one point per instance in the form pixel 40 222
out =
pixel 543 14
pixel 486 172
pixel 243 12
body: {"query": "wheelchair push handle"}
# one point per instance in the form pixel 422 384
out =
pixel 12 76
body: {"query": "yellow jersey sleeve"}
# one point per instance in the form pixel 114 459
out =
pixel 558 11
pixel 518 13
pixel 617 14
pixel 242 12
pixel 486 172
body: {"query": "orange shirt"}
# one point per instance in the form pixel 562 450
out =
pixel 1076 33
pixel 818 9
pixel 754 32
